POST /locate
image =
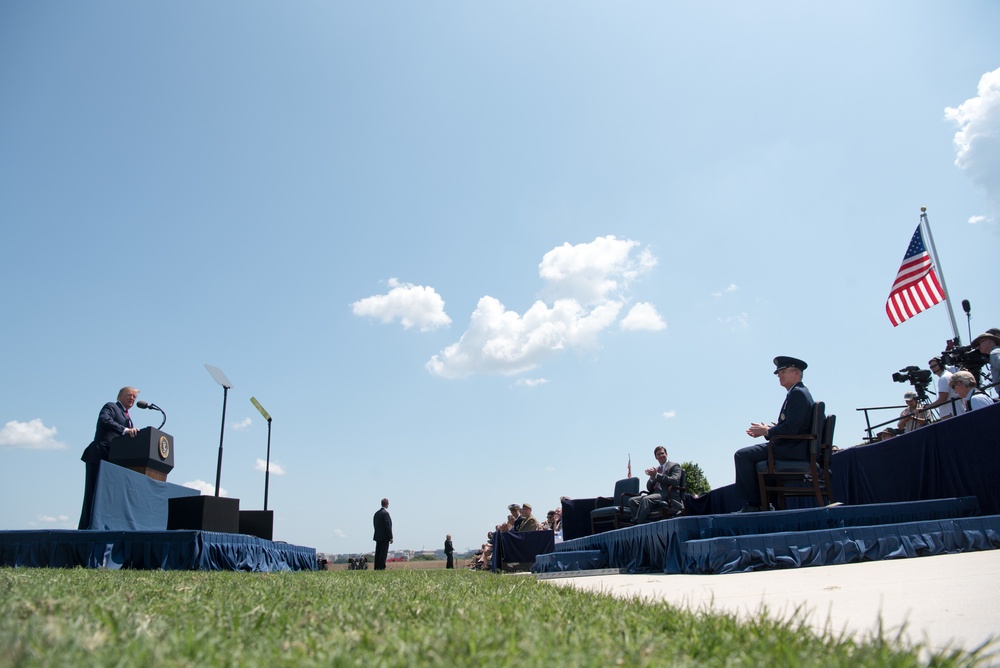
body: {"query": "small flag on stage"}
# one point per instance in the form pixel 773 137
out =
pixel 917 287
pixel 629 466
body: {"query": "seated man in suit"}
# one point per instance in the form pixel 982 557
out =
pixel 794 418
pixel 113 421
pixel 662 487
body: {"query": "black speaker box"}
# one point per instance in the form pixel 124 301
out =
pixel 259 523
pixel 204 513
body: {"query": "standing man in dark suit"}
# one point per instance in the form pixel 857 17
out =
pixel 794 418
pixel 112 422
pixel 449 551
pixel 383 535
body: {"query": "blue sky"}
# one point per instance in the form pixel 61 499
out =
pixel 469 254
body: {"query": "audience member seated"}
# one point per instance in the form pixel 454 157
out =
pixel 515 518
pixel 970 399
pixel 528 521
pixel 912 417
pixel 553 520
pixel 481 559
pixel 662 477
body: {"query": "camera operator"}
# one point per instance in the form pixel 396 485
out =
pixel 944 396
pixel 988 343
pixel 964 385
pixel 912 416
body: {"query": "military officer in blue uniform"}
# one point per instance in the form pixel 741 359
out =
pixel 796 412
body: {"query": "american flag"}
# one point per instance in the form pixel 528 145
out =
pixel 629 466
pixel 917 287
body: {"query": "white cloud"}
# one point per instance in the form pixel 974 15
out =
pixel 242 424
pixel 531 382
pixel 732 288
pixel 276 469
pixel 643 317
pixel 31 435
pixel 669 415
pixel 501 341
pixel 736 322
pixel 586 285
pixel 206 488
pixel 975 220
pixel 50 519
pixel 339 533
pixel 977 142
pixel 595 272
pixel 413 305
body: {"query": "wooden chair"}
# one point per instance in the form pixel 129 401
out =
pixel 782 478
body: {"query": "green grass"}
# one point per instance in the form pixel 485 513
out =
pixel 81 617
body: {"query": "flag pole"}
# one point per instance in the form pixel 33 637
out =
pixel 940 270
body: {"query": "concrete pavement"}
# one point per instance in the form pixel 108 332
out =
pixel 946 601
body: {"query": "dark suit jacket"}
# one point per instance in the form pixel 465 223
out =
pixel 671 476
pixel 383 526
pixel 794 418
pixel 111 424
pixel 448 547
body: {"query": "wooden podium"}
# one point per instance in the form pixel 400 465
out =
pixel 150 452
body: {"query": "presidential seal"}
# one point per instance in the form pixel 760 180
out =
pixel 164 447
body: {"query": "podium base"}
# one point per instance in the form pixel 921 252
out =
pixel 204 513
pixel 149 473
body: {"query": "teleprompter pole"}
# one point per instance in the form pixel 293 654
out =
pixel 267 466
pixel 221 379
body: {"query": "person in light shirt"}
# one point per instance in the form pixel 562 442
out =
pixel 944 395
pixel 963 384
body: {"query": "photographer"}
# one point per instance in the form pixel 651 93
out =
pixel 944 396
pixel 988 343
pixel 912 416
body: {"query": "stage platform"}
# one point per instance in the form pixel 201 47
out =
pixel 806 537
pixel 930 491
pixel 128 529
pixel 152 550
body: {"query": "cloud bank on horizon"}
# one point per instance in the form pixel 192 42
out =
pixel 977 142
pixel 585 288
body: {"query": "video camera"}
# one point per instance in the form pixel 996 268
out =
pixel 913 375
pixel 965 357
pixel 917 377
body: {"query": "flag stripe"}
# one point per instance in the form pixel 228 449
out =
pixel 916 287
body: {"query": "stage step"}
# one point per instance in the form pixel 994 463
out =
pixel 797 549
pixel 793 538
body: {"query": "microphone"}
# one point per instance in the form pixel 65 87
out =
pixel 966 306
pixel 152 406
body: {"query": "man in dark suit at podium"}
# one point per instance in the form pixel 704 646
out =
pixel 114 421
pixel 383 535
